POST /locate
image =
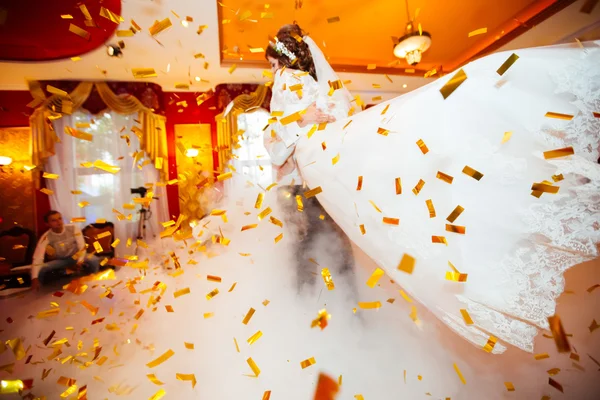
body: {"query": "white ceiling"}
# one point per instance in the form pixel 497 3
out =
pixel 180 44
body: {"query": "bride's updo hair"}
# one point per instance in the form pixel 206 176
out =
pixel 291 37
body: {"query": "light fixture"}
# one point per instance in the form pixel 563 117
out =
pixel 4 161
pixel 413 44
pixel 404 86
pixel 114 50
pixel 197 79
pixel 191 153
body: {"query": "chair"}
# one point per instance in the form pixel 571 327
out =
pixel 16 254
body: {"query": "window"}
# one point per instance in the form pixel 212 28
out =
pixel 251 159
pixel 103 190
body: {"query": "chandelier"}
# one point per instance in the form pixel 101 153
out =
pixel 413 44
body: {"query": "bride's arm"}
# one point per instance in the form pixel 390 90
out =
pixel 278 152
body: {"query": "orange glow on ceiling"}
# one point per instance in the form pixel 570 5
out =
pixel 363 34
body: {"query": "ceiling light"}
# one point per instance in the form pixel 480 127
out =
pixel 4 161
pixel 413 44
pixel 184 23
pixel 191 153
pixel 197 79
pixel 404 86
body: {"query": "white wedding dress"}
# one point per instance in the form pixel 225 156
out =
pixel 516 246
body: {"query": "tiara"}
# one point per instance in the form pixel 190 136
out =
pixel 280 48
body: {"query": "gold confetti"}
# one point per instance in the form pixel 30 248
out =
pixel 506 137
pixel 327 388
pixel 360 183
pixel 333 20
pixel 49 176
pixel 444 177
pixel 164 357
pixel 141 73
pixel 507 64
pixel 252 339
pixel 335 159
pixel 248 227
pixel 158 395
pixel 47 191
pixel 418 187
pixel 555 385
pixel 371 66
pixel 224 176
pixel 541 356
pixel 275 221
pixel 472 173
pixel 460 375
pixel 78 134
pixel 232 287
pixel 154 380
pixel 422 146
pixel 374 278
pixel 368 305
pixel 313 192
pixel 253 366
pixel 308 362
pixel 455 214
pixel 117 19
pixel 278 238
pixel 544 188
pixel 181 292
pixel 453 83
pixel 327 279
pixel 431 208
pixel 398 186
pixel 509 386
pixel 321 320
pixel 248 316
pixel 555 115
pixel 476 32
pixel 186 377
pixel 362 229
pixel 160 26
pixel 82 33
pixel 489 346
pixel 212 294
pixel 593 326
pixel 564 152
pixel 466 316
pixel 259 200
pixel 461 230
pixel 391 221
pixel 558 333
pixel 439 239
pixel 407 264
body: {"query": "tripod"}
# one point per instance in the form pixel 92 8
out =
pixel 145 215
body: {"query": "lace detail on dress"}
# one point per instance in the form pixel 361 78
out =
pixel 565 228
pixel 471 333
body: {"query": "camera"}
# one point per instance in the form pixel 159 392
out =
pixel 140 190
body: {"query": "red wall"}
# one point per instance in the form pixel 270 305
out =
pixel 192 114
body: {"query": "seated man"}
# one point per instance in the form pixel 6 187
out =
pixel 69 250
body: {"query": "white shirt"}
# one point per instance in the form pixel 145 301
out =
pixel 66 244
pixel 279 154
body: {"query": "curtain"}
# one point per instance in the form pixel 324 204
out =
pixel 84 191
pixel 152 133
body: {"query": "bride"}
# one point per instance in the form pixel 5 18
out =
pixel 474 193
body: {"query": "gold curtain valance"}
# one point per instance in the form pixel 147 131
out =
pixel 153 139
pixel 227 127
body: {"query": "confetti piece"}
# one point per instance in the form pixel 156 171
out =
pixel 275 221
pixel 259 200
pixel 398 186
pixel 212 294
pixel 252 339
pixel 460 375
pixel 47 191
pixel 278 238
pixel 49 176
pixel 466 316
pixel 224 176
pixel 248 227
pixel 160 26
pixel 555 385
pixel 327 388
pixel 422 146
pixel 186 377
pixel 491 343
pixel 362 229
pixel 253 366
pixel 472 173
pixel 564 152
pixel 461 230
pixel 407 264
pixel 360 183
pixel 476 32
pixel 541 356
pixel 154 380
pixel 248 316
pixel 308 362
pixel 321 320
pixel 509 386
pixel 164 357
pixel 375 277
pixel 232 287
pixel 327 278
pixel 558 333
pixel 418 187
pixel 333 20
pixel 544 188
pixel 453 83
pixel 266 395
pixel 431 208
pixel 313 192
pixel 555 115
pixel 391 221
pixel 181 292
pixel 300 205
pixel 158 395
pixel 444 177
pixel 141 73
pixel 82 33
pixel 507 64
pixel 369 305
pixel 335 159
pixel 506 137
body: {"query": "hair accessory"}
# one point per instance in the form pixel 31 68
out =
pixel 281 49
